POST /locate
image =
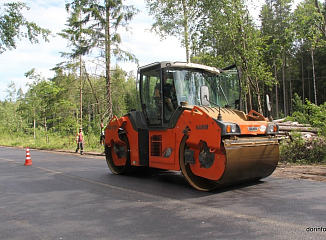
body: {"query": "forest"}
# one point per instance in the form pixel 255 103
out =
pixel 282 54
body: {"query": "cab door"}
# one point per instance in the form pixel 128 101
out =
pixel 151 94
pixel 160 139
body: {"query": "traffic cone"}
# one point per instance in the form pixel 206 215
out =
pixel 28 160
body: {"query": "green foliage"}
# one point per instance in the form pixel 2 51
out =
pixel 46 116
pixel 304 151
pixel 226 35
pixel 51 141
pixel 299 114
pixel 11 22
pixel 307 23
pixel 309 114
pixel 93 25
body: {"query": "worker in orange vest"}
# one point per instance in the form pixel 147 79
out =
pixel 80 141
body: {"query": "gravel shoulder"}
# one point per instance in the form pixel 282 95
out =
pixel 305 172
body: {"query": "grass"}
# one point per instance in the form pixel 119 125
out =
pixel 50 142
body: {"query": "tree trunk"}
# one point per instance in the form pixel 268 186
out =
pixel 291 97
pixel 34 123
pixel 284 86
pixel 80 91
pixel 93 90
pixel 260 108
pixel 249 99
pixel 314 74
pixel 302 77
pixel 46 131
pixel 185 25
pixel 309 86
pixel 108 59
pixel 276 92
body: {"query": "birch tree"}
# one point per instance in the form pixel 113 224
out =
pixel 174 18
pixel 308 22
pixel 101 21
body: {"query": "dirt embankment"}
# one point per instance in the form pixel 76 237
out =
pixel 307 172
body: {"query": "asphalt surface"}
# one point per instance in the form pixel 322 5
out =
pixel 67 196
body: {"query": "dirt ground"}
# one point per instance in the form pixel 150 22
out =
pixel 307 172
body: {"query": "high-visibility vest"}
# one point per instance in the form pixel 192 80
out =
pixel 79 137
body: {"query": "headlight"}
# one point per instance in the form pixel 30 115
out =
pixel 228 128
pixel 272 129
pixel 231 128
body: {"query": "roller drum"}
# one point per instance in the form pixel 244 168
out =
pixel 249 159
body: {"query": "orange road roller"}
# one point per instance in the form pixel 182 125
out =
pixel 191 120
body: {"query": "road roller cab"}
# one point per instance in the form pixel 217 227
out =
pixel 191 121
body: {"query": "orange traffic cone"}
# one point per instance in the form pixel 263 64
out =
pixel 28 160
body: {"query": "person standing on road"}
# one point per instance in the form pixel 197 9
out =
pixel 102 134
pixel 80 141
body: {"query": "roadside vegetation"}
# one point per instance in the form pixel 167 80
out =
pixel 306 150
pixel 51 142
pixel 48 115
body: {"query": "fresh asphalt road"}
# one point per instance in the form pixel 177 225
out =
pixel 67 196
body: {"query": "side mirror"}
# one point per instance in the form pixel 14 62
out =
pixel 204 95
pixel 269 108
pixel 268 103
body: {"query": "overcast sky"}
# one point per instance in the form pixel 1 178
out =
pixel 51 14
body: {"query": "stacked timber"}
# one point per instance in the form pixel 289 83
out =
pixel 288 127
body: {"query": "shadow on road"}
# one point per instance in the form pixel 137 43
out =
pixel 169 184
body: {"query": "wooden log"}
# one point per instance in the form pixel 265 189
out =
pixel 294 125
pixel 300 129
pixel 283 133
pixel 287 122
pixel 281 122
pixel 309 133
pixel 278 120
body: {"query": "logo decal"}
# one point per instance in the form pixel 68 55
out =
pixel 112 127
pixel 202 127
pixel 262 128
pixel 252 129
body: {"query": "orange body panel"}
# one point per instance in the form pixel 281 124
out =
pixel 112 131
pixel 215 172
pixel 119 161
pixel 111 135
pixel 202 128
pixel 170 141
pixel 257 127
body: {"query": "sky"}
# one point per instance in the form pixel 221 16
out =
pixel 51 14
